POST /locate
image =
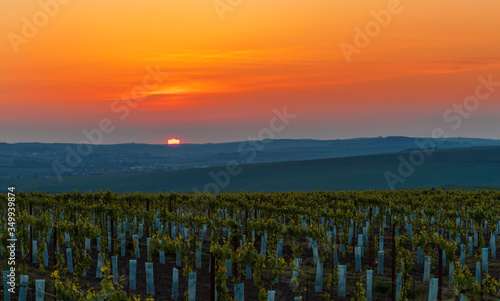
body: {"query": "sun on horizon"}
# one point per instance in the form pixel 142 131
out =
pixel 173 141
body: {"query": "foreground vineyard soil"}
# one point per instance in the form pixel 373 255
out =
pixel 323 227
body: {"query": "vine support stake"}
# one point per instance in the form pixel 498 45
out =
pixel 307 283
pixel 393 261
pixel 55 247
pixel 170 210
pixel 370 239
pixel 235 247
pixel 246 221
pixel 354 229
pixel 147 210
pixel 212 277
pixel 31 235
pixel 440 273
pixel 112 234
pixel 170 204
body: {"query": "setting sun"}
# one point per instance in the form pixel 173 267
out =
pixel 173 141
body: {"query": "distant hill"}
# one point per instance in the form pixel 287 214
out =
pixel 35 160
pixel 472 168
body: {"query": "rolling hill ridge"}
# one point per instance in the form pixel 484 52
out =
pixel 476 167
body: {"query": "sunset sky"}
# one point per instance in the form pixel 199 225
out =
pixel 227 67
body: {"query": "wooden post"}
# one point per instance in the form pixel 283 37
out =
pixel 212 277
pixel 354 238
pixel 440 274
pixel 393 262
pixel 147 210
pixel 370 238
pixel 54 239
pixel 76 229
pixel 112 235
pixel 255 218
pixel 307 283
pixel 235 247
pixel 170 210
pixel 333 268
pixel 246 220
pixel 31 235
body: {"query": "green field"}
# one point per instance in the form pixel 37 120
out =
pixel 287 243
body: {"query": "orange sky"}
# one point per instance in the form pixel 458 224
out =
pixel 226 76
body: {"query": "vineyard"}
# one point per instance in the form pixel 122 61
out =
pixel 369 245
